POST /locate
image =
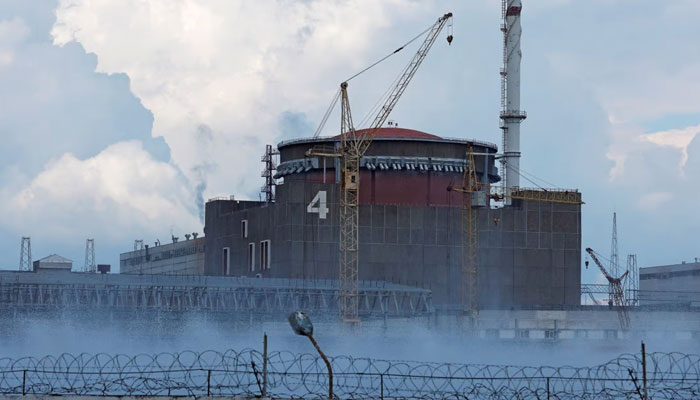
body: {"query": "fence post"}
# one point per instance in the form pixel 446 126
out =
pixel 644 370
pixel 24 382
pixel 208 382
pixel 547 388
pixel 264 390
pixel 381 386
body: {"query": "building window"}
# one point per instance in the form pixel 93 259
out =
pixel 265 255
pixel 244 228
pixel 251 256
pixel 227 261
pixel 610 334
pixel 523 334
pixel 550 334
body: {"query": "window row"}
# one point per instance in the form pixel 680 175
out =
pixel 264 262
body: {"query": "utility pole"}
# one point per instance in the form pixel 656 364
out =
pixel 25 254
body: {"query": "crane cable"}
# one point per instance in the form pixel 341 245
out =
pixel 524 174
pixel 330 109
pixel 390 54
pixel 337 95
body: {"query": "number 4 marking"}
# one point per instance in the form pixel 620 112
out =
pixel 318 205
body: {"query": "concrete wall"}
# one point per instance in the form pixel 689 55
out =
pixel 529 253
pixel 182 258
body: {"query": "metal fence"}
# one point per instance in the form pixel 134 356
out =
pixel 669 376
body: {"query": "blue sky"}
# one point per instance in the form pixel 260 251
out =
pixel 117 117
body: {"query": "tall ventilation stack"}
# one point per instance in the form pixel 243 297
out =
pixel 511 115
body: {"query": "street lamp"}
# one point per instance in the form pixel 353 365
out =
pixel 301 325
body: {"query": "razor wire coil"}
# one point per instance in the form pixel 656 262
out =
pixel 289 375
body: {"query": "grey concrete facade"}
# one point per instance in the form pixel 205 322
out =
pixel 676 284
pixel 410 224
pixel 182 258
pixel 529 253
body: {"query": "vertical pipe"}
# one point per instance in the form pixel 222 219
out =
pixel 547 388
pixel 264 391
pixel 24 382
pixel 644 370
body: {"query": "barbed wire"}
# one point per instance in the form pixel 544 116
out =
pixel 290 375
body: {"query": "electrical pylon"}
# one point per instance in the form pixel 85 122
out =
pixel 25 254
pixel 89 265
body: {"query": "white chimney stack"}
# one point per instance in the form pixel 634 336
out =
pixel 511 115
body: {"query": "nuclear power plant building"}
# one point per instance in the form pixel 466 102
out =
pixel 410 224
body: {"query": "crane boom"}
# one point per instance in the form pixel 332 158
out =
pixel 353 145
pixel 366 137
pixel 600 265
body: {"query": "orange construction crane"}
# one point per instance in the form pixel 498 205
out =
pixel 618 294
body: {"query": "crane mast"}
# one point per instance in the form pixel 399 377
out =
pixel 470 277
pixel 353 145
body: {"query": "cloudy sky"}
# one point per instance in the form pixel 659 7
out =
pixel 118 117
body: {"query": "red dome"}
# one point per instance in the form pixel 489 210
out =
pixel 400 133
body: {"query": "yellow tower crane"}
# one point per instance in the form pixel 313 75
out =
pixel 353 145
pixel 474 194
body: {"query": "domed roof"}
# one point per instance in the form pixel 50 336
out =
pixel 399 133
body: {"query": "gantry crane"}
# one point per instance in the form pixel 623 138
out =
pixel 474 192
pixel 618 295
pixel 353 145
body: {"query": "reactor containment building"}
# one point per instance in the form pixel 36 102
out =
pixel 410 226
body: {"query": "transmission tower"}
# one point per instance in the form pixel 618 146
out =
pixel 632 284
pixel 138 244
pixel 89 256
pixel 614 258
pixel 25 254
pixel 268 173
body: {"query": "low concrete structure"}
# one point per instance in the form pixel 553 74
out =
pixel 677 284
pixel 181 258
pixel 54 262
pixel 48 291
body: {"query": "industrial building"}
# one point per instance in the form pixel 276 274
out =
pixel 676 284
pixel 54 262
pixel 410 226
pixel 177 258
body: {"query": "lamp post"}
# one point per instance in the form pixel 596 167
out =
pixel 301 325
